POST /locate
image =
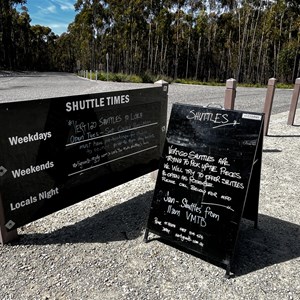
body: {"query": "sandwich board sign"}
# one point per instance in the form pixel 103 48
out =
pixel 208 180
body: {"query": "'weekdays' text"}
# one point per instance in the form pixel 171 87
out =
pixel 28 138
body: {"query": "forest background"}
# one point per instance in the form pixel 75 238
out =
pixel 209 40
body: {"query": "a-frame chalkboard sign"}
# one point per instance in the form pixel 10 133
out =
pixel 208 180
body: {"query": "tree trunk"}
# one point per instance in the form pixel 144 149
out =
pixel 198 58
pixel 187 57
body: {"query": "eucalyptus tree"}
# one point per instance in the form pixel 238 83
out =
pixel 42 47
pixel 22 40
pixel 129 29
pixel 87 27
pixel 289 52
pixel 250 40
pixel 201 25
pixel 192 9
pixel 161 51
pixel 64 56
pixel 7 26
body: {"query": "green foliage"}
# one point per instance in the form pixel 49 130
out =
pixel 196 82
pixel 147 77
pixel 117 77
pixel 281 85
pixel 102 77
pixel 207 41
pixel 120 77
pixel 135 79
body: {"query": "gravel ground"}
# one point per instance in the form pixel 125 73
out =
pixel 95 249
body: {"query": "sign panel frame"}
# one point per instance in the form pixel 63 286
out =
pixel 59 151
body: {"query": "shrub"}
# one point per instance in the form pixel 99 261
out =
pixel 147 77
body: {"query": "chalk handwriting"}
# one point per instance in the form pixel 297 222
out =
pixel 217 118
pixel 234 123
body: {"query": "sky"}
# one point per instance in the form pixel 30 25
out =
pixel 56 14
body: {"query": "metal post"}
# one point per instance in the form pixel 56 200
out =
pixel 96 75
pixel 90 74
pixel 294 102
pixel 230 94
pixel 269 103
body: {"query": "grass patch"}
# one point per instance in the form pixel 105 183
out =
pixel 122 77
pixel 147 77
pixel 196 82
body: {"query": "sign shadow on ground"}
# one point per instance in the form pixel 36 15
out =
pixel 125 221
pixel 275 241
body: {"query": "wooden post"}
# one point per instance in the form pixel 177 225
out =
pixel 294 102
pixel 5 236
pixel 230 94
pixel 269 103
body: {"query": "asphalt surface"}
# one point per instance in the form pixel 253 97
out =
pixel 29 86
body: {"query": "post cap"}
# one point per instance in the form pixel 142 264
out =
pixel 161 82
pixel 231 83
pixel 272 81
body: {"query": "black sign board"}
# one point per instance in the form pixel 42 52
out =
pixel 208 178
pixel 57 152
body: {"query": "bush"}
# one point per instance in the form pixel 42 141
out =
pixel 121 77
pixel 191 81
pixel 136 79
pixel 101 76
pixel 147 77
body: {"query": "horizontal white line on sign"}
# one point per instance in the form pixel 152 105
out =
pixel 107 162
